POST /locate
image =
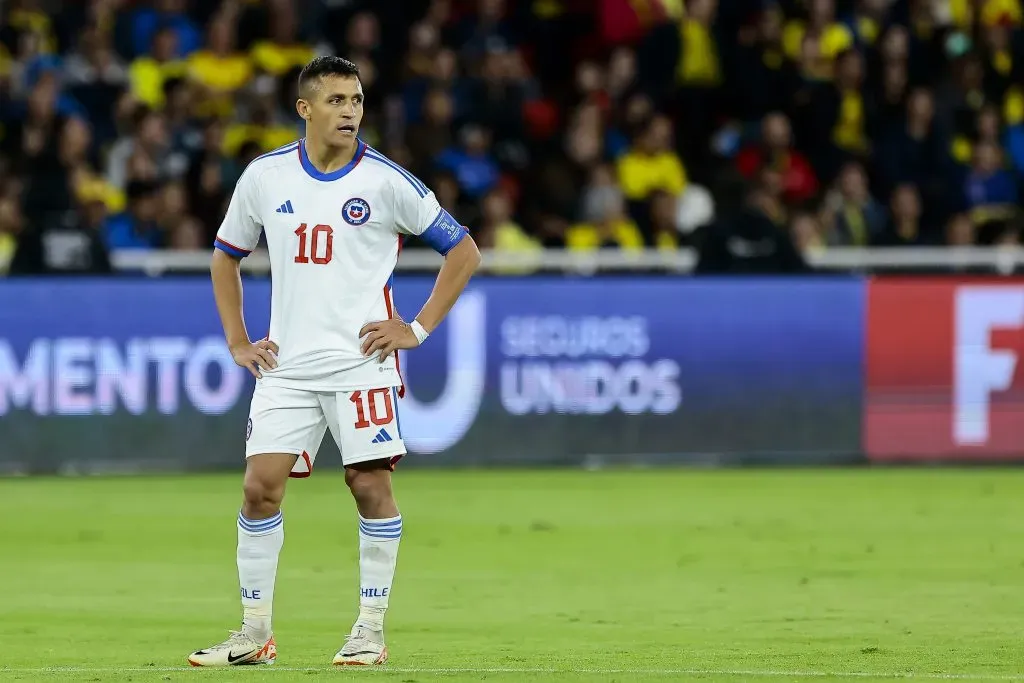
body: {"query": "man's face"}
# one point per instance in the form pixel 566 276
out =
pixel 146 208
pixel 333 106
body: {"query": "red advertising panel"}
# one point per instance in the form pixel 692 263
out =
pixel 944 381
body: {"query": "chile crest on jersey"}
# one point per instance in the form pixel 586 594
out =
pixel 356 211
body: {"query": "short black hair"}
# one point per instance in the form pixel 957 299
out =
pixel 141 189
pixel 325 65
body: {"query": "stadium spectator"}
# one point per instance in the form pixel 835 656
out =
pixel 421 59
pixel 151 72
pixel 138 226
pixel 650 164
pixel 64 242
pixel 913 150
pixel 219 70
pixel 77 158
pixel 698 78
pixel 610 228
pixel 986 129
pixel 146 154
pixel 962 96
pixel 363 40
pixel 904 227
pixel 183 127
pixel 432 135
pixel 165 13
pixel 497 96
pixel 93 62
pixel 891 88
pixel 990 192
pixel 857 219
pixel 838 117
pixel 499 231
pixel 281 51
pixel 605 223
pixel 772 79
pixel 27 18
pixel 471 162
pixel 484 31
pixel 776 150
pixel 53 165
pixel 757 240
pixel 817 42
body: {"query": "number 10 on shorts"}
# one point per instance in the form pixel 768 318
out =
pixel 373 407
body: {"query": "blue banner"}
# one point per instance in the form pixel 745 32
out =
pixel 133 373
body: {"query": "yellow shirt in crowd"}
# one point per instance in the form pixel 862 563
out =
pixel 267 137
pixel 34 22
pixel 222 76
pixel 277 59
pixel 834 39
pixel 992 12
pixel 91 187
pixel 588 237
pixel 510 238
pixel 641 174
pixel 7 247
pixel 698 62
pixel 148 77
pixel 849 133
pixel 624 234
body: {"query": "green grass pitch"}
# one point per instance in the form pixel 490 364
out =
pixel 536 576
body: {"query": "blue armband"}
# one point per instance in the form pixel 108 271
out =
pixel 444 233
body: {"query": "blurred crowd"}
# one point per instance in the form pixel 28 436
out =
pixel 753 130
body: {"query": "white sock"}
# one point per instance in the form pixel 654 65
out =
pixel 378 555
pixel 259 545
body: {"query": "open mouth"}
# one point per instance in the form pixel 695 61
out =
pixel 347 128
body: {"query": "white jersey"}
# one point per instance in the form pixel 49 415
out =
pixel 333 241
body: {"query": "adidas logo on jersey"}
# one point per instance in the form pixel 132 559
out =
pixel 285 208
pixel 382 437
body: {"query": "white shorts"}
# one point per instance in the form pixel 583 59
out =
pixel 364 424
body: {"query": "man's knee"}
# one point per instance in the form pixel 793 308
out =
pixel 262 499
pixel 263 487
pixel 370 484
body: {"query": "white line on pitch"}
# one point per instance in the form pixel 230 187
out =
pixel 501 670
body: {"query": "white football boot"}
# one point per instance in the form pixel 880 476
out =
pixel 362 647
pixel 237 650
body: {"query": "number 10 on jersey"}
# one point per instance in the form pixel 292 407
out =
pixel 316 245
pixel 374 402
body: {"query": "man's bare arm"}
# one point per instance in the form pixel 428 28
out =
pixel 459 265
pixel 226 273
pixel 386 336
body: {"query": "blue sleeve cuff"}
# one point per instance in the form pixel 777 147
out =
pixel 444 233
pixel 231 249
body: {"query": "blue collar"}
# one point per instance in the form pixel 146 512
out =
pixel 312 171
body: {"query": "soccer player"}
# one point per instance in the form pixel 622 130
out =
pixel 334 211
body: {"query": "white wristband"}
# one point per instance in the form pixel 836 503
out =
pixel 420 332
